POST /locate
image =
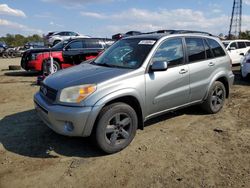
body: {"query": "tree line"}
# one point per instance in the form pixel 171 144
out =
pixel 20 40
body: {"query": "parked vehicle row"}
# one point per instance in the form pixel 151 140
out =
pixel 65 54
pixel 134 80
pixel 237 49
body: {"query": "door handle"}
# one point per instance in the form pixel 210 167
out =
pixel 211 64
pixel 183 71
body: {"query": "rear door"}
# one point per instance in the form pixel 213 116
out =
pixel 91 48
pixel 72 52
pixel 201 65
pixel 168 89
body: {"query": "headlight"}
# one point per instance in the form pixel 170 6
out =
pixel 76 94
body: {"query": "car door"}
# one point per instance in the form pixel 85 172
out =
pixel 233 52
pixel 168 89
pixel 91 48
pixel 201 63
pixel 71 52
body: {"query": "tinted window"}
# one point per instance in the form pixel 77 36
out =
pixel 233 45
pixel 75 45
pixel 92 44
pixel 170 51
pixel 195 49
pixel 208 50
pixel 216 48
pixel 248 43
pixel 241 45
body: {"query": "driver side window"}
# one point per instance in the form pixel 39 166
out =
pixel 170 51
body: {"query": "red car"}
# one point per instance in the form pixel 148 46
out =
pixel 65 54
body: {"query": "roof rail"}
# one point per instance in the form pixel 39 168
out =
pixel 179 32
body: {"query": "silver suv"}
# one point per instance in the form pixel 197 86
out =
pixel 136 79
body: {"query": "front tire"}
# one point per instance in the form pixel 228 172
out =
pixel 116 127
pixel 46 67
pixel 216 98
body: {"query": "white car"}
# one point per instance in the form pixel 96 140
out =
pixel 245 66
pixel 237 49
pixel 57 37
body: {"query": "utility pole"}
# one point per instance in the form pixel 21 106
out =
pixel 236 19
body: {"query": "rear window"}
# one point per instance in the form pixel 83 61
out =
pixel 216 48
pixel 195 49
pixel 241 45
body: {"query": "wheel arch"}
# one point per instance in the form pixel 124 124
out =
pixel 130 99
pixel 223 79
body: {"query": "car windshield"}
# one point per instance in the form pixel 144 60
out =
pixel 127 53
pixel 61 45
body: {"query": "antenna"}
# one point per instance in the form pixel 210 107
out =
pixel 236 18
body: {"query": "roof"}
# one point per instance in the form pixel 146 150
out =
pixel 159 34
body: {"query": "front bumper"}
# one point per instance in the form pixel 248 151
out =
pixel 57 116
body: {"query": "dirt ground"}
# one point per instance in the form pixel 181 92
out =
pixel 186 148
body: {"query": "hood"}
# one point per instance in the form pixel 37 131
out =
pixel 40 50
pixel 83 74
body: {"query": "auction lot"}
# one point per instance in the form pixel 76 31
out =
pixel 187 148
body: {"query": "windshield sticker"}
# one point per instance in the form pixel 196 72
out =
pixel 147 42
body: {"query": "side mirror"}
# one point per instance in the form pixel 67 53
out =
pixel 242 54
pixel 231 48
pixel 159 66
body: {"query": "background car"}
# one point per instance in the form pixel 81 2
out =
pixel 65 54
pixel 245 66
pixel 55 37
pixel 237 49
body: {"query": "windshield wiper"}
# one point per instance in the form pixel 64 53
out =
pixel 107 65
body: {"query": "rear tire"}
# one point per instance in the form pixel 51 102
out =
pixel 215 99
pixel 116 127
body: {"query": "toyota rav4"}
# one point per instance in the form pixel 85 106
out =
pixel 136 79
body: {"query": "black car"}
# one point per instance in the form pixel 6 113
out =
pixel 65 54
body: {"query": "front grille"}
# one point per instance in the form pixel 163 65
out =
pixel 48 92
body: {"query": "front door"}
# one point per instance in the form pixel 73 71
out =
pixel 168 89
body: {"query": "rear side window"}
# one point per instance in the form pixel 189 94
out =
pixel 233 45
pixel 92 44
pixel 241 45
pixel 195 49
pixel 170 51
pixel 248 43
pixel 216 48
pixel 208 50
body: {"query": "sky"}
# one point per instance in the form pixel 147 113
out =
pixel 103 18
